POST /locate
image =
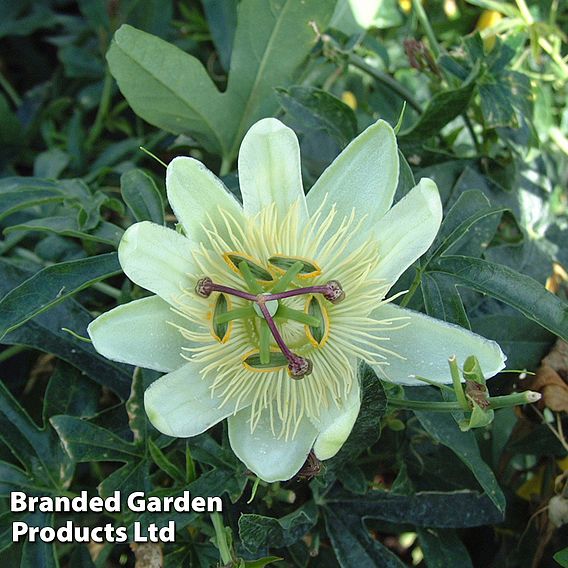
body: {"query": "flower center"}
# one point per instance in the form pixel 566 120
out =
pixel 265 306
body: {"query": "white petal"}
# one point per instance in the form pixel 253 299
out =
pixel 427 343
pixel 138 333
pixel 363 177
pixel 157 259
pixel 269 168
pixel 335 424
pixel 195 194
pixel 180 404
pixel 271 458
pixel 407 230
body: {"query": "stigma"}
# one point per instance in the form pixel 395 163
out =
pixel 264 306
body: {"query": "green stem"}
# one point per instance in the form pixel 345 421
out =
pixel 423 19
pixel 221 537
pixel 496 402
pixel 110 291
pixel 225 166
pixel 102 110
pixel 386 79
pixel 472 133
pixel 413 288
pixel 11 351
pixel 456 380
pixel 10 91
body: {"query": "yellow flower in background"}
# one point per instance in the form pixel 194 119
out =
pixel 262 310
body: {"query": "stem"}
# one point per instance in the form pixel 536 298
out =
pixel 496 402
pixel 221 537
pixel 108 290
pixel 423 19
pixel 472 133
pixel 386 79
pixel 10 91
pixel 11 351
pixel 424 405
pixel 225 166
pixel 413 288
pixel 456 380
pixel 102 110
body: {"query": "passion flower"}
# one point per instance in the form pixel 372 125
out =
pixel 263 310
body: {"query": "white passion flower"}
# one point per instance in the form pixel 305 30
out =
pixel 262 310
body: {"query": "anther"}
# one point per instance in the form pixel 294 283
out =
pixel 299 367
pixel 204 287
pixel 335 293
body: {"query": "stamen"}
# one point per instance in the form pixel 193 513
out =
pixel 298 366
pixel 205 286
pixel 332 291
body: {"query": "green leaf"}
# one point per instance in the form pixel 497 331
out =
pixel 40 554
pixel 68 226
pixel 315 109
pixel 562 557
pixel 455 509
pixel 222 18
pixel 443 548
pixel 164 463
pixel 442 108
pixel 142 196
pixel 261 562
pixel 172 90
pixel 367 428
pixel 86 442
pixel 523 341
pixel 45 334
pixel 517 290
pixel 352 544
pixel 51 163
pixel 442 299
pixel 69 392
pixel 52 285
pixel 444 429
pixel 470 208
pixel 257 531
pixel 38 449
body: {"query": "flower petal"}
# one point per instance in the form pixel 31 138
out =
pixel 271 458
pixel 335 424
pixel 180 404
pixel 195 193
pixel 363 177
pixel 407 230
pixel 427 343
pixel 157 259
pixel 138 333
pixel 269 168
